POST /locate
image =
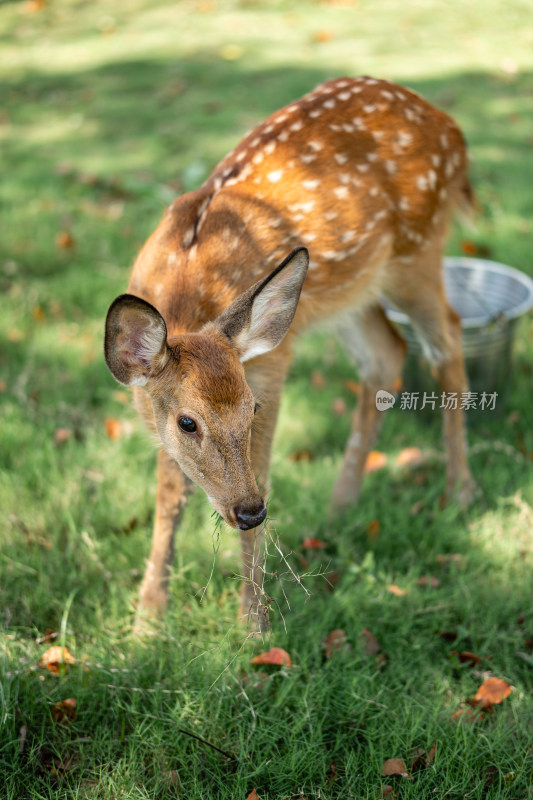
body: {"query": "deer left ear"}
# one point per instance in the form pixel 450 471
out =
pixel 260 318
pixel 135 341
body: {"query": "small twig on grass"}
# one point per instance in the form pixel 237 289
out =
pixel 209 744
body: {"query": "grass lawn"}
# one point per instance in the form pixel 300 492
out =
pixel 107 111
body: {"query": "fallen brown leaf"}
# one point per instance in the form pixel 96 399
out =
pixel 276 656
pixel 62 435
pixel 64 240
pixel 339 406
pixel 113 428
pixel 469 714
pixel 372 529
pixel 466 657
pixel 334 642
pixel 408 456
pixel 375 460
pixel 310 543
pixel 253 795
pixel 65 711
pixel 353 386
pixel 428 580
pixel 56 656
pixel 491 692
pixel 393 589
pixel 323 36
pixel 395 766
pixel 318 380
pixel 301 455
pixel 371 644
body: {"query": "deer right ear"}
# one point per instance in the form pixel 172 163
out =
pixel 135 341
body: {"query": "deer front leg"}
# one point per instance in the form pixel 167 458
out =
pixel 172 491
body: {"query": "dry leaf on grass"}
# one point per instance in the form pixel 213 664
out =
pixel 55 657
pixel 428 580
pixel 276 656
pixel 113 428
pixel 339 406
pixel 491 692
pixel 64 240
pixel 313 544
pixel 395 766
pixel 372 529
pixel 253 795
pixel 334 642
pixel 393 589
pixel 65 711
pixel 371 646
pixel 375 460
pixel 409 456
pixel 467 658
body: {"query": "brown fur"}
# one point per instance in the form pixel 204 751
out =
pixel 365 174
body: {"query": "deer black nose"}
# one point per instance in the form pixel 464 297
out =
pixel 249 515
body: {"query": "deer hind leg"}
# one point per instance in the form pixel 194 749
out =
pixel 378 351
pixel 265 377
pixel 420 293
pixel 172 491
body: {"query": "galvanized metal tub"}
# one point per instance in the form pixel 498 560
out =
pixel 490 298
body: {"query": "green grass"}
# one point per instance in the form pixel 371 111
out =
pixel 108 111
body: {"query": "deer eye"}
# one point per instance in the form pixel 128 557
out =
pixel 187 424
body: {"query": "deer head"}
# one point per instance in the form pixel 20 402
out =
pixel 202 404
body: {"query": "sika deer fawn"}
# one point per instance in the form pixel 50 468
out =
pixel 365 174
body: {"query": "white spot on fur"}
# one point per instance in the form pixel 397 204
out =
pixel 258 157
pixel 344 177
pixel 372 157
pixel 308 159
pixel 435 160
pixel 335 127
pixel 269 147
pixel 359 123
pixel 240 156
pixel 369 109
pixel 314 145
pixel 329 104
pixel 284 135
pixel 296 126
pixel 316 112
pixel 341 192
pixel 444 141
pixel 330 215
pixel 308 237
pixel 403 205
pixel 390 166
pixel 378 135
pixel 310 185
pixel 387 95
pixel 374 191
pixel 340 158
pixel 348 128
pixel 363 167
pixel 348 236
pixel 268 129
pixel 275 176
pixel 172 258
pixel 422 182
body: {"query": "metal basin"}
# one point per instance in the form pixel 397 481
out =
pixel 490 298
